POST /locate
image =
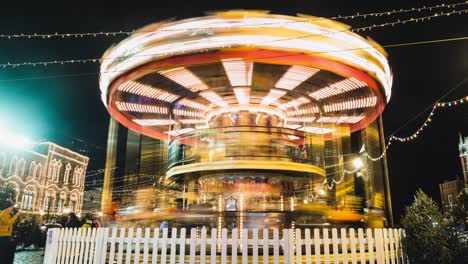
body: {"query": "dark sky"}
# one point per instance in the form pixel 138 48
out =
pixel 61 103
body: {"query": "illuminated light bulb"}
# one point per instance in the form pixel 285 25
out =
pixel 147 91
pixel 141 108
pixel 153 122
pixel 239 72
pixel 185 78
pixel 357 162
pixel 242 95
pixel 272 96
pixel 339 87
pixel 180 112
pixel 214 98
pixel 294 76
pixel 295 103
pixel 192 104
pixel 351 104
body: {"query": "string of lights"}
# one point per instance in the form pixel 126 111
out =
pixel 415 135
pixel 97 60
pixel 127 33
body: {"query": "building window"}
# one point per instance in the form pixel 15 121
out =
pixel 67 173
pixel 38 171
pixel 26 202
pixel 32 168
pixel 13 165
pixel 77 176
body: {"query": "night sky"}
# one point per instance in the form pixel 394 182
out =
pixel 61 103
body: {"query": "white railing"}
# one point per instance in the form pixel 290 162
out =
pixel 121 245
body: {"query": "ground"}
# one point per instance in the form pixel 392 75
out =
pixel 29 257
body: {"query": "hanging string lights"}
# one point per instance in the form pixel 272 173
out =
pixel 127 33
pixel 415 135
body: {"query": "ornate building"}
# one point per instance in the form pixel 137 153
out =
pixel 48 178
pixel 463 150
pixel 450 189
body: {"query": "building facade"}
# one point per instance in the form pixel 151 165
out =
pixel 48 178
pixel 449 190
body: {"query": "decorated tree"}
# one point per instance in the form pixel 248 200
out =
pixel 427 236
pixel 7 194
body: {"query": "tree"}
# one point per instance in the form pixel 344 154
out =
pixel 427 236
pixel 7 194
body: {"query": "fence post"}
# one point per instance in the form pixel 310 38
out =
pixel 98 244
pixel 379 246
pixel 51 245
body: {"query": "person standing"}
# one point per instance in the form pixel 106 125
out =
pixel 8 217
pixel 73 221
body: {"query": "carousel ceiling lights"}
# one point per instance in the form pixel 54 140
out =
pixel 214 98
pixel 238 71
pixel 153 122
pixel 242 95
pixel 351 104
pixel 340 87
pixel 147 91
pixel 140 108
pixel 185 78
pixel 294 76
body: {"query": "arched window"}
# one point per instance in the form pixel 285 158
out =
pixel 57 170
pixel 52 163
pixel 32 169
pixel 13 162
pixel 61 202
pixel 38 172
pixel 73 202
pixel 20 167
pixel 67 173
pixel 77 175
pixel 49 201
pixel 27 200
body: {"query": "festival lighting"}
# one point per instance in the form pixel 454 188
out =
pixel 339 87
pixel 294 76
pixel 316 130
pixel 140 108
pixel 191 121
pixel 304 111
pixel 340 119
pixel 272 96
pixel 250 108
pixel 301 120
pixel 242 95
pixel 214 98
pixel 153 122
pixel 294 103
pixel 147 91
pixel 180 112
pixel 192 104
pixel 185 78
pixel 238 71
pixel 351 104
pixel 357 162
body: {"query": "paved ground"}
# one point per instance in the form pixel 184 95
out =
pixel 29 257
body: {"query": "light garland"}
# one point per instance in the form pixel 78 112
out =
pixel 127 33
pixel 416 134
pixel 97 60
pixel 335 182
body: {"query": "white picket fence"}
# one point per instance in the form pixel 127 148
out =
pixel 121 245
